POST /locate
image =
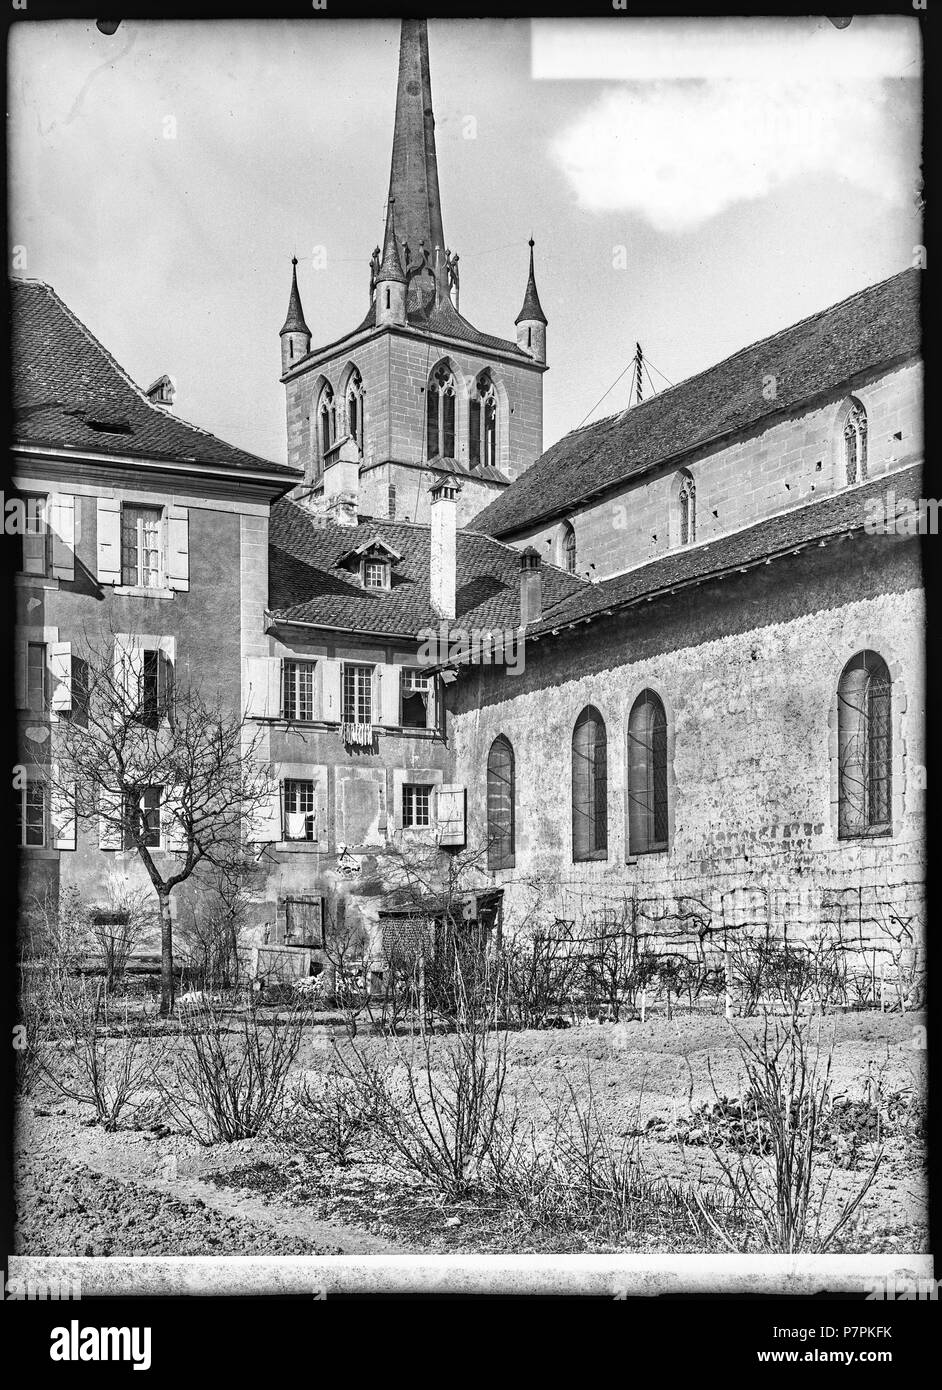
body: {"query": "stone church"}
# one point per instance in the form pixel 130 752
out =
pixel 664 669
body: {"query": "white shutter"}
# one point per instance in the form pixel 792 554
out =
pixel 173 836
pixel 59 660
pixel 432 705
pixel 63 816
pixel 128 669
pixel 450 815
pixel 330 690
pixel 109 540
pixel 265 822
pixel 388 701
pixel 178 548
pixel 263 687
pixel 110 835
pixel 62 525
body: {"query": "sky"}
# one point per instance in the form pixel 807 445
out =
pixel 692 185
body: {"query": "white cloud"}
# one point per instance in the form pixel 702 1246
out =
pixel 679 153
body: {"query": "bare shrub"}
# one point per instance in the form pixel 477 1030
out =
pixel 540 971
pixel 332 1116
pixel 773 1176
pixel 229 1082
pixel 105 1062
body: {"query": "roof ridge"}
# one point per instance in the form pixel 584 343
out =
pixel 747 347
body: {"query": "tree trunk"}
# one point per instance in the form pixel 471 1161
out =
pixel 166 956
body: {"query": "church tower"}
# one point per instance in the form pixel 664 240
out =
pixel 415 387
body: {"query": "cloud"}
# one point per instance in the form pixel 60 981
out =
pixel 680 153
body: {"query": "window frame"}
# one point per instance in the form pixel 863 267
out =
pixel 363 682
pixel 293 699
pixel 312 900
pixel 502 842
pixel 654 797
pixel 43 649
pixel 412 795
pixel 409 676
pixel 37 788
pixel 593 807
pixel 139 578
pixel 43 533
pixel 292 788
pixel 859 823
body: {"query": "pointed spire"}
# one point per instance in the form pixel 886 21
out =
pixel 413 179
pixel 532 310
pixel 294 323
pixel 391 265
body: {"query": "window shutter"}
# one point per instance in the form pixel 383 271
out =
pixel 178 548
pixel 109 540
pixel 265 826
pixel 263 687
pixel 62 811
pixel 330 690
pixel 20 661
pixel 128 669
pixel 386 700
pixel 59 660
pixel 110 833
pixel 450 814
pixel 62 525
pixel 432 703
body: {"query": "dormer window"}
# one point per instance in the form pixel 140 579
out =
pixel 376 574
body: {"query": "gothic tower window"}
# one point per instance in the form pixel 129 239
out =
pixel 687 506
pixel 647 775
pixel 589 787
pixel 569 550
pixel 355 398
pixel 440 414
pixel 864 744
pixel 482 423
pixel 500 804
pixel 855 443
pixel 326 419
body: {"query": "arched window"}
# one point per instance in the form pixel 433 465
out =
pixel 482 423
pixel 440 418
pixel 326 419
pixel 647 775
pixel 864 747
pixel 687 505
pixel 354 401
pixel 589 787
pixel 500 804
pixel 569 550
pixel 855 443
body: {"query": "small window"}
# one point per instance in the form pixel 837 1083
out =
pixel 865 747
pixel 299 809
pixel 569 550
pixel 647 775
pixel 304 922
pixel 855 443
pixel 416 806
pixel 155 686
pixel 417 699
pixel 37 685
pixel 500 804
pixel 31 815
pixel 143 819
pixel 140 547
pixel 589 787
pixel 357 694
pixel 375 574
pixel 298 691
pixel 687 506
pixel 392 501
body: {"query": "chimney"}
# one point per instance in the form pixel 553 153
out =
pixel 444 517
pixel 342 482
pixel 531 587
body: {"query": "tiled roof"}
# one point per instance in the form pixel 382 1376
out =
pixel 843 512
pixel 69 392
pixel 876 326
pixel 308 583
pixel 444 320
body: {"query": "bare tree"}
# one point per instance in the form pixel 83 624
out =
pixel 163 770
